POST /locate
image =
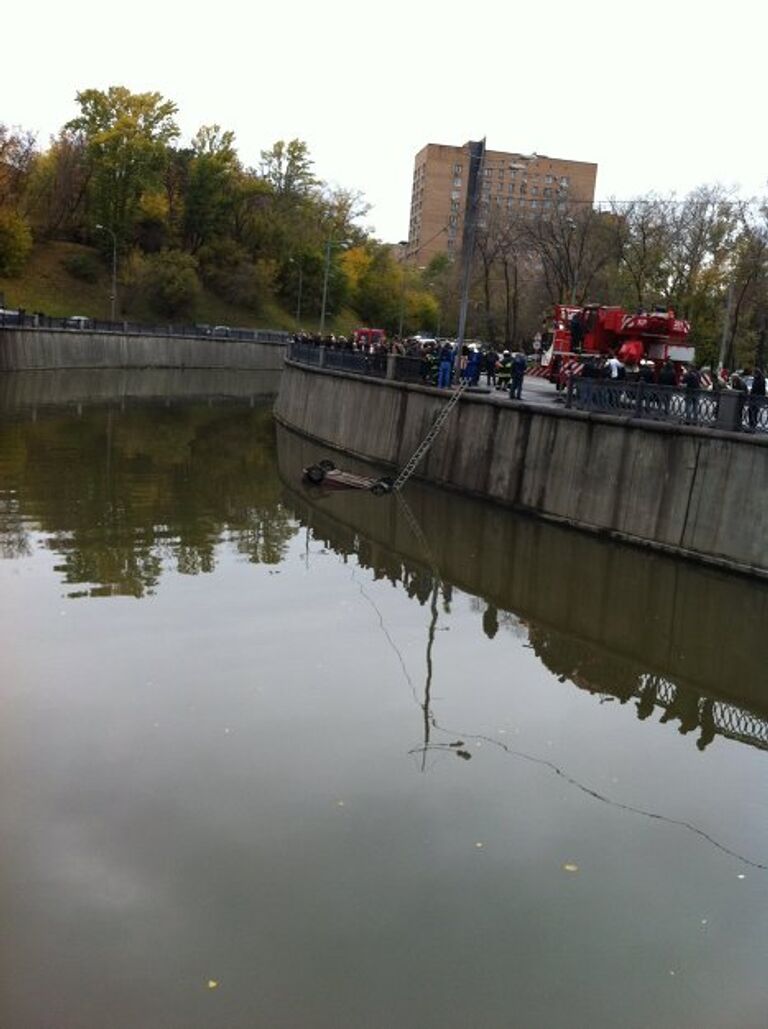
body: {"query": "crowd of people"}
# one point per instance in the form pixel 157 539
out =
pixel 442 363
pixel 747 382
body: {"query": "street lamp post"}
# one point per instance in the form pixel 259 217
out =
pixel 298 296
pixel 328 245
pixel 300 265
pixel 113 297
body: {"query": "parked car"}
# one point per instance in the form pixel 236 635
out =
pixel 78 321
pixel 221 330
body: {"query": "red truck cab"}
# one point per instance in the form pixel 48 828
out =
pixel 369 338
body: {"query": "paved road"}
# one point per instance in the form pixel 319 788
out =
pixel 535 391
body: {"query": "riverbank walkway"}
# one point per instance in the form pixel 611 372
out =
pixel 725 410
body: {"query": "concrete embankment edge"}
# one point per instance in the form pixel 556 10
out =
pixel 51 349
pixel 691 492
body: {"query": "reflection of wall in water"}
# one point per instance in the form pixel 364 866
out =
pixel 27 390
pixel 599 614
pixel 124 494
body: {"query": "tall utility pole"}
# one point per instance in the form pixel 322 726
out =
pixel 113 297
pixel 330 243
pixel 298 297
pixel 402 244
pixel 726 328
pixel 325 284
pixel 474 185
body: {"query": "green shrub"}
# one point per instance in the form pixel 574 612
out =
pixel 15 242
pixel 228 270
pixel 85 267
pixel 170 283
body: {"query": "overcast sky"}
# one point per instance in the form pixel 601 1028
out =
pixel 662 96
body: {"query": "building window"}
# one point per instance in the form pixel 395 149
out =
pixel 455 194
pixel 457 169
pixel 457 181
pixel 450 244
pixel 548 180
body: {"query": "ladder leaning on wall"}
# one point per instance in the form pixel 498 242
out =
pixel 413 461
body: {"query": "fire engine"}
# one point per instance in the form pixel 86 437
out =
pixel 366 339
pixel 599 331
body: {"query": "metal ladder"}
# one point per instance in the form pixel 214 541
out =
pixel 429 439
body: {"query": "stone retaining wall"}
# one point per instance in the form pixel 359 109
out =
pixel 694 492
pixel 32 349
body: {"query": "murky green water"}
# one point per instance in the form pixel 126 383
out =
pixel 285 759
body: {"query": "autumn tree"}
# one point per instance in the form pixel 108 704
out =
pixel 58 187
pixel 126 136
pixel 15 242
pixel 17 158
pixel 211 186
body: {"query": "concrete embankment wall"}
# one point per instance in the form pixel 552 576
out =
pixel 693 492
pixel 31 389
pixel 600 609
pixel 28 349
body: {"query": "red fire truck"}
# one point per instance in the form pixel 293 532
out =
pixel 599 331
pixel 367 339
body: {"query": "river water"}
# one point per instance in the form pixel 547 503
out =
pixel 278 757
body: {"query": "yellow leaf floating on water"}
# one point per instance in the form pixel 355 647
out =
pixel 212 984
pixel 570 867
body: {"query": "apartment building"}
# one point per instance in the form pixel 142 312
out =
pixel 511 183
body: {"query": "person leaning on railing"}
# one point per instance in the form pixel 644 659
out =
pixel 667 380
pixel 692 383
pixel 756 397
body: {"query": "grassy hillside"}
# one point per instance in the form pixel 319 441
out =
pixel 46 285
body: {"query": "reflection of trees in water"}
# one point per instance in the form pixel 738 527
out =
pixel 14 538
pixel 124 494
pixel 594 669
pixel 494 619
pixel 611 677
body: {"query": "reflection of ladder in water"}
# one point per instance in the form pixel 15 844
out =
pixel 418 532
pixel 429 439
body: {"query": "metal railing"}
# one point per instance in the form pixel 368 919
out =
pixel 356 361
pixel 712 716
pixel 415 369
pixel 723 409
pixel 401 367
pixel 305 353
pixel 29 320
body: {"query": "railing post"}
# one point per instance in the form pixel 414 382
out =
pixel 569 392
pixel 321 357
pixel 639 399
pixel 391 365
pixel 729 410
